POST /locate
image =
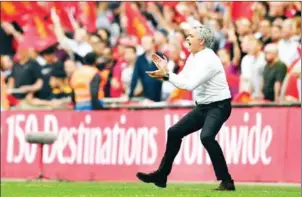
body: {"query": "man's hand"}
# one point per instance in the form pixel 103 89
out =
pixel 161 64
pixel 54 17
pixel 158 74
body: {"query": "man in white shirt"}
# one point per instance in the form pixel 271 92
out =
pixel 288 45
pixel 252 67
pixel 204 74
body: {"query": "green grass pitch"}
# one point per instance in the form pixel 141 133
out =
pixel 102 189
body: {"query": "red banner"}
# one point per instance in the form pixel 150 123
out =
pixel 242 10
pixel 62 9
pixel 260 145
pixel 137 23
pixel 88 15
pixel 21 11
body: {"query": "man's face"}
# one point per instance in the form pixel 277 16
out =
pixel 23 54
pixel 193 40
pixel 174 52
pixel 80 36
pixel 107 55
pixel 243 27
pixel 265 28
pixel 148 43
pixel 287 29
pixel 244 44
pixel 276 8
pixel 97 45
pixel 276 33
pixel 69 67
pixel 254 46
pixel 129 54
pixel 6 62
pixel 159 38
pixel 270 56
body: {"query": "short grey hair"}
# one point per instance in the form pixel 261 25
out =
pixel 206 34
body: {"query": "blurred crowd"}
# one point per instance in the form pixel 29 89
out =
pixel 260 50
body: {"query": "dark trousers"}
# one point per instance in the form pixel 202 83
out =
pixel 210 118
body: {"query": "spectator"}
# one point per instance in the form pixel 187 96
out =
pixel 97 44
pixel 232 71
pixel 287 46
pixel 252 68
pixel 69 67
pixel 174 65
pixel 79 46
pixel 128 67
pixel 60 86
pixel 86 83
pixel 273 74
pixel 161 40
pixel 123 73
pixel 26 76
pixel 243 27
pixel 52 63
pixel 6 65
pixel 59 97
pixel 9 32
pixel 276 33
pixel 113 70
pixel 4 103
pixel 151 88
pixel 297 29
pixel 276 10
pixel 265 31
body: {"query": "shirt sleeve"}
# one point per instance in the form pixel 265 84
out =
pixel 36 70
pixel 94 91
pixel 281 72
pixel 193 75
pixel 245 68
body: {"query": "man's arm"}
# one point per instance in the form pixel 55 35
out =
pixel 94 91
pixel 192 79
pixel 37 74
pixel 135 77
pixel 281 72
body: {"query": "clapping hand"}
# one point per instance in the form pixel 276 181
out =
pixel 162 66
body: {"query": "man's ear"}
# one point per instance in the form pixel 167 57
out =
pixel 202 42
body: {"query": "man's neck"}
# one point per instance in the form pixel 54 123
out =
pixel 199 50
pixel 273 62
pixel 23 60
pixel 288 38
pixel 149 53
pixel 130 63
pixel 257 53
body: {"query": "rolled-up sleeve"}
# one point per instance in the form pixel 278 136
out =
pixel 193 76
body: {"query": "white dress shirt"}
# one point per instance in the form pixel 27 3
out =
pixel 203 74
pixel 252 68
pixel 288 51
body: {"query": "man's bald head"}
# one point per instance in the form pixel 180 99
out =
pixel 271 53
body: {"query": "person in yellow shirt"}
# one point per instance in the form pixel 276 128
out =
pixel 4 100
pixel 86 84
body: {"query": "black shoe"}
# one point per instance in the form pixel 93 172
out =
pixel 155 177
pixel 226 186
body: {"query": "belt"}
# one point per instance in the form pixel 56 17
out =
pixel 213 103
